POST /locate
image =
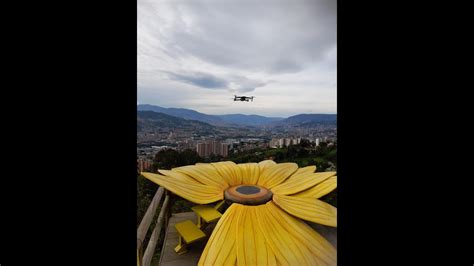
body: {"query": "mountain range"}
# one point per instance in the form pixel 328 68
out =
pixel 239 119
pixel 152 119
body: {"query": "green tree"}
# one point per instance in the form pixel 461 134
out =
pixel 145 192
pixel 305 143
pixel 169 158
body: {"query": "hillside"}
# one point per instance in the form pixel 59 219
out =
pixel 311 118
pixel 251 120
pixel 305 120
pixel 218 120
pixel 181 113
pixel 150 120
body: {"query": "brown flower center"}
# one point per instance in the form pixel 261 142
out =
pixel 248 194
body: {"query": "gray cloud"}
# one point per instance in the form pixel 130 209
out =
pixel 284 52
pixel 243 84
pixel 271 36
pixel 233 83
pixel 199 79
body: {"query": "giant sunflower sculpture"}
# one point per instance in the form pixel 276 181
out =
pixel 261 227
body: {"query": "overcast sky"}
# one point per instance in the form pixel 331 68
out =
pixel 198 54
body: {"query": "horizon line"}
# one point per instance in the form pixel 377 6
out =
pixel 237 113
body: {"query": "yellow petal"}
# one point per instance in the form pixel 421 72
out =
pixel 301 181
pixel 230 171
pixel 265 164
pixel 246 244
pixel 252 248
pixel 288 250
pixel 265 235
pixel 276 174
pixel 220 248
pixel 321 249
pixel 321 189
pixel 271 259
pixel 309 209
pixel 305 170
pixel 186 187
pixel 250 173
pixel 204 173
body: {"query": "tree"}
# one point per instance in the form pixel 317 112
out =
pixel 321 164
pixel 145 192
pixel 169 158
pixel 214 158
pixel 305 143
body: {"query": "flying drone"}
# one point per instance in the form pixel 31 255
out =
pixel 243 98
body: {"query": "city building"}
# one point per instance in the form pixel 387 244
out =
pixel 144 165
pixel 205 149
pixel 224 150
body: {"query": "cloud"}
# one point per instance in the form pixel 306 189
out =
pixel 243 84
pixel 199 79
pixel 283 51
pixel 233 83
pixel 271 36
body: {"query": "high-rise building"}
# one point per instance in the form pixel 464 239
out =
pixel 274 143
pixel 209 149
pixel 205 149
pixel 224 150
pixel 201 149
pixel 215 147
pixel 144 165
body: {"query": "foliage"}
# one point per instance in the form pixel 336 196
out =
pixel 145 192
pixel 181 205
pixel 164 159
pixel 169 158
pixel 304 154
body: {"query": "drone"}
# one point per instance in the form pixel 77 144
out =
pixel 243 98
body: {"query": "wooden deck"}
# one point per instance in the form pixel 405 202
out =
pixel 168 255
pixel 170 258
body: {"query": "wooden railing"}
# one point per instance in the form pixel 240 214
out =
pixel 144 258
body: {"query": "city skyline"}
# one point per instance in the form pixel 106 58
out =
pixel 198 56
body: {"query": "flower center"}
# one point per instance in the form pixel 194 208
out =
pixel 248 194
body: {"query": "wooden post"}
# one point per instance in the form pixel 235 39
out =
pixel 148 217
pixel 155 235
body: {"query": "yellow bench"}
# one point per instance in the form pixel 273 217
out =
pixel 188 233
pixel 206 214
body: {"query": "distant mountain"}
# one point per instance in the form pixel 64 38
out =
pixel 150 120
pixel 240 119
pixel 181 113
pixel 306 118
pixel 220 120
pixel 251 120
